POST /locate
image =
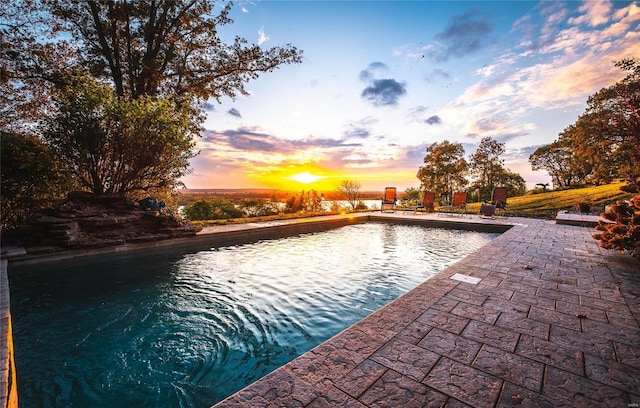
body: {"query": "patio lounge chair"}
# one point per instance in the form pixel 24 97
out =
pixel 389 200
pixel 498 200
pixel 426 205
pixel 458 204
pixel 427 201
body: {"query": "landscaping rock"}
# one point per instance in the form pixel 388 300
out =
pixel 84 220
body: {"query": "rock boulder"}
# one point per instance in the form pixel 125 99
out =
pixel 85 220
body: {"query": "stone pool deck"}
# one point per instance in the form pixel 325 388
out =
pixel 541 316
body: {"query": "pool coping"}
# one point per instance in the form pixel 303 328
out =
pixel 366 360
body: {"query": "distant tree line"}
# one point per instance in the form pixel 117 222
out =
pixel 218 208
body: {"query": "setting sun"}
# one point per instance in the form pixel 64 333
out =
pixel 305 177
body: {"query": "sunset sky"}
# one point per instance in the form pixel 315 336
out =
pixel 382 80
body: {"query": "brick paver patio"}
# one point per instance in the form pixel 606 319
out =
pixel 553 321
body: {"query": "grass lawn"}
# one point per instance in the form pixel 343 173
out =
pixel 547 204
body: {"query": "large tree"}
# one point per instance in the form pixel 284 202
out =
pixel 120 146
pixel 560 162
pixel 166 54
pixel 612 124
pixel 444 168
pixel 485 166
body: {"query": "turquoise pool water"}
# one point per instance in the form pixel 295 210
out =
pixel 187 329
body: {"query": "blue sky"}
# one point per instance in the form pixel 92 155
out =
pixel 382 80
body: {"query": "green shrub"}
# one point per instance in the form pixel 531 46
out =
pixel 217 209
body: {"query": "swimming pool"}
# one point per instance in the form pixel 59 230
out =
pixel 176 328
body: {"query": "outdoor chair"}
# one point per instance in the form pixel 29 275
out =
pixel 389 200
pixel 426 205
pixel 498 199
pixel 427 202
pixel 458 204
pixel 487 210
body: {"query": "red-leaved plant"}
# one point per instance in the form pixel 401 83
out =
pixel 623 233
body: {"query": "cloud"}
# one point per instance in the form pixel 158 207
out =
pixel 534 37
pixel 208 107
pixel 242 139
pixel 234 112
pixel 596 13
pixel 238 157
pixel 248 139
pixel 417 111
pixel 381 92
pixel 523 152
pixel 466 33
pixel 368 73
pixel 262 37
pixel 435 74
pixel 433 120
pixel 360 129
pixel 416 114
pixel 487 125
pixel 357 132
pixel 384 92
pixel 243 5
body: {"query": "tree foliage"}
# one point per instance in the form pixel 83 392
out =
pixel 515 184
pixel 410 196
pixel 309 201
pixel 119 146
pixel 486 166
pixel 23 95
pixel 259 207
pixel 444 168
pixel 30 177
pixel 217 209
pixel 616 111
pixel 488 171
pixel 169 48
pixel 560 162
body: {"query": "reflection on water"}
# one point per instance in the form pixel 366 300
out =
pixel 175 329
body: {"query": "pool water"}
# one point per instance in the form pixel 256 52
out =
pixel 176 329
